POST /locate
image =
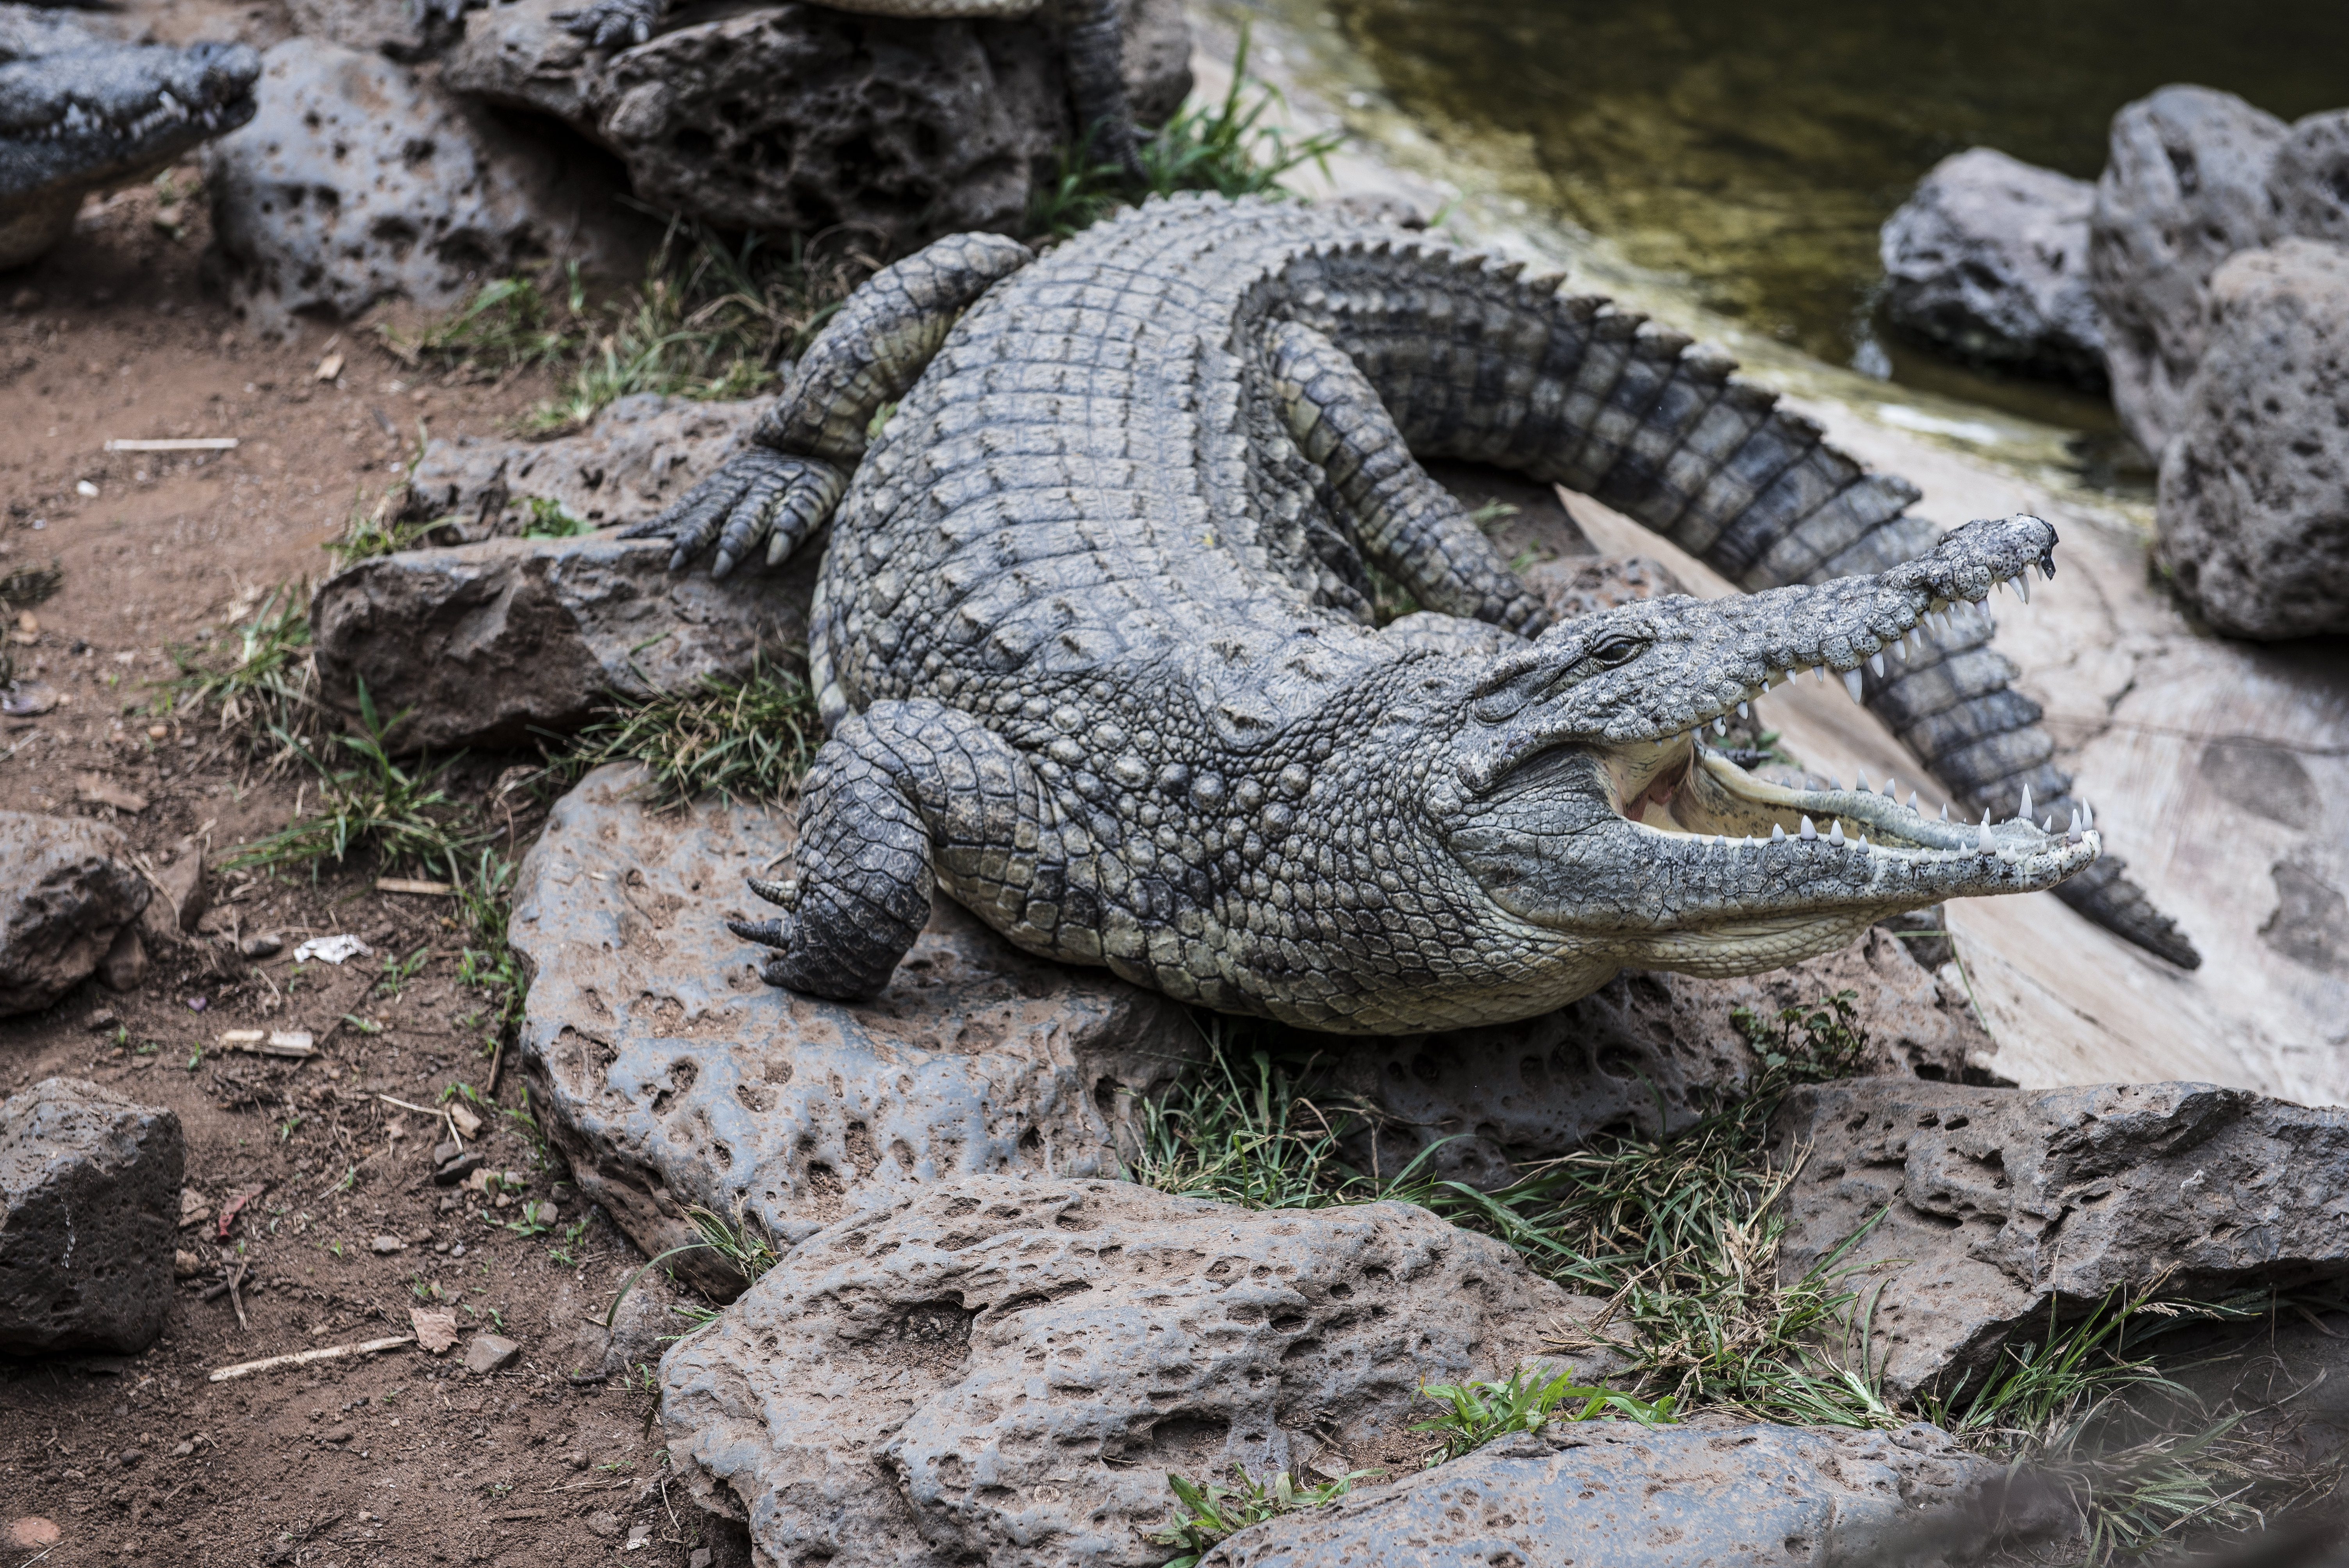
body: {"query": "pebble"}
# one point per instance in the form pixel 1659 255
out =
pixel 31 1532
pixel 604 1525
pixel 487 1353
pixel 259 946
pixel 388 1245
pixel 639 1537
pixel 104 1019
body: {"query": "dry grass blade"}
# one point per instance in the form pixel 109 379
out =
pixel 751 738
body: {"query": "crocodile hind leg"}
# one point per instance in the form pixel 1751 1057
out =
pixel 1410 527
pixel 782 488
pixel 903 795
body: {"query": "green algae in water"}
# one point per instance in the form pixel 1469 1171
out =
pixel 1757 149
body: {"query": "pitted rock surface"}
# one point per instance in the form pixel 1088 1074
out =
pixel 359 181
pixel 2254 500
pixel 1988 259
pixel 491 643
pixel 669 1081
pixel 90 1199
pixel 1485 1098
pixel 802 118
pixel 2002 1202
pixel 66 890
pixel 640 454
pixel 1614 1495
pixel 1004 1369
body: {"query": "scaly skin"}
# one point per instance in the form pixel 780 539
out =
pixel 1093 635
pixel 1095 86
pixel 79 112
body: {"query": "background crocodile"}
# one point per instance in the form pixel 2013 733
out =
pixel 1091 32
pixel 80 112
pixel 1092 632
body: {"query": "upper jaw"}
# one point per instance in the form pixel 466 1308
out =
pixel 122 103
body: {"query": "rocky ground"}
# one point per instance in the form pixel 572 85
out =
pixel 397 1457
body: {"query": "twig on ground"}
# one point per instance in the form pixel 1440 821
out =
pixel 304 1358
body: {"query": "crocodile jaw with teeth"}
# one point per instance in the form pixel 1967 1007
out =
pixel 79 112
pixel 1589 808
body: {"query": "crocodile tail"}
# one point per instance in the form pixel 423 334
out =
pixel 1568 389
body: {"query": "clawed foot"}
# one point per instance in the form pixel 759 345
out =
pixel 759 497
pixel 610 24
pixel 776 933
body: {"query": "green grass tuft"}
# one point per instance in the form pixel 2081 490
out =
pixel 751 738
pixel 1244 1134
pixel 1479 1411
pixel 1206 1514
pixel 267 682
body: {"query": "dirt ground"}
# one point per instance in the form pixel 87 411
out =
pixel 393 1458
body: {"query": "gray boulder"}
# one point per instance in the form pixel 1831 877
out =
pixel 1642 1049
pixel 66 891
pixel 1989 260
pixel 2185 186
pixel 640 454
pixel 1613 1495
pixel 671 1075
pixel 804 118
pixel 2308 183
pixel 2001 1205
pixel 407 30
pixel 491 643
pixel 359 181
pixel 2254 499
pixel 89 1202
pixel 1004 1369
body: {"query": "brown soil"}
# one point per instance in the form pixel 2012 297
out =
pixel 396 1458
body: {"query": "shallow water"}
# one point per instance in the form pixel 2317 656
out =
pixel 1755 149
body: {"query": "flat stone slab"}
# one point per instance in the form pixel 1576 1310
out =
pixel 1612 1494
pixel 485 645
pixel 2000 1205
pixel 671 1075
pixel 90 1204
pixel 1004 1368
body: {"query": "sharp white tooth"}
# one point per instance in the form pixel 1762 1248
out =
pixel 1749 843
pixel 1912 800
pixel 2024 810
pixel 1945 811
pixel 1777 834
pixel 1809 831
pixel 2049 825
pixel 1983 841
pixel 1834 783
pixel 1820 671
pixel 1721 725
pixel 1834 834
pixel 1851 683
pixel 2087 817
pixel 2022 586
pixel 1744 710
pixel 1891 793
pixel 1875 662
pixel 1865 848
pixel 1864 784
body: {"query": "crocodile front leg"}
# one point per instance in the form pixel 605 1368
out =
pixel 781 488
pixel 612 23
pixel 1410 527
pixel 903 792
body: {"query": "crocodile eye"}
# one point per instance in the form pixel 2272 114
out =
pixel 1615 648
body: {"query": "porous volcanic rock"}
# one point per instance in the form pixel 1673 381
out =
pixel 1999 1203
pixel 490 643
pixel 406 30
pixel 640 454
pixel 2308 182
pixel 1988 259
pixel 1641 1044
pixel 89 1197
pixel 1585 584
pixel 67 888
pixel 802 118
pixel 2254 498
pixel 2185 186
pixel 1004 1369
pixel 1618 1495
pixel 358 181
pixel 672 1075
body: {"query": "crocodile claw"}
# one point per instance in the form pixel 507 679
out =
pixel 609 23
pixel 765 932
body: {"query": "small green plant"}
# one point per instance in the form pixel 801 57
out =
pixel 507 326
pixel 1204 1515
pixel 740 1241
pixel 534 1218
pixel 1225 147
pixel 380 528
pixel 362 1025
pixel 751 738
pixel 548 520
pixel 267 681
pixel 1476 1412
pixel 1245 1135
pixel 397 810
pixel 487 963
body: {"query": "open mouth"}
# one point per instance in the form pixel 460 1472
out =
pixel 1676 788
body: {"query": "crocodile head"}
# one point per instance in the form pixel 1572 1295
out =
pixel 79 112
pixel 1582 803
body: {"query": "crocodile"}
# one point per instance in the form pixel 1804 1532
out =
pixel 80 112
pixel 1092 33
pixel 1093 639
